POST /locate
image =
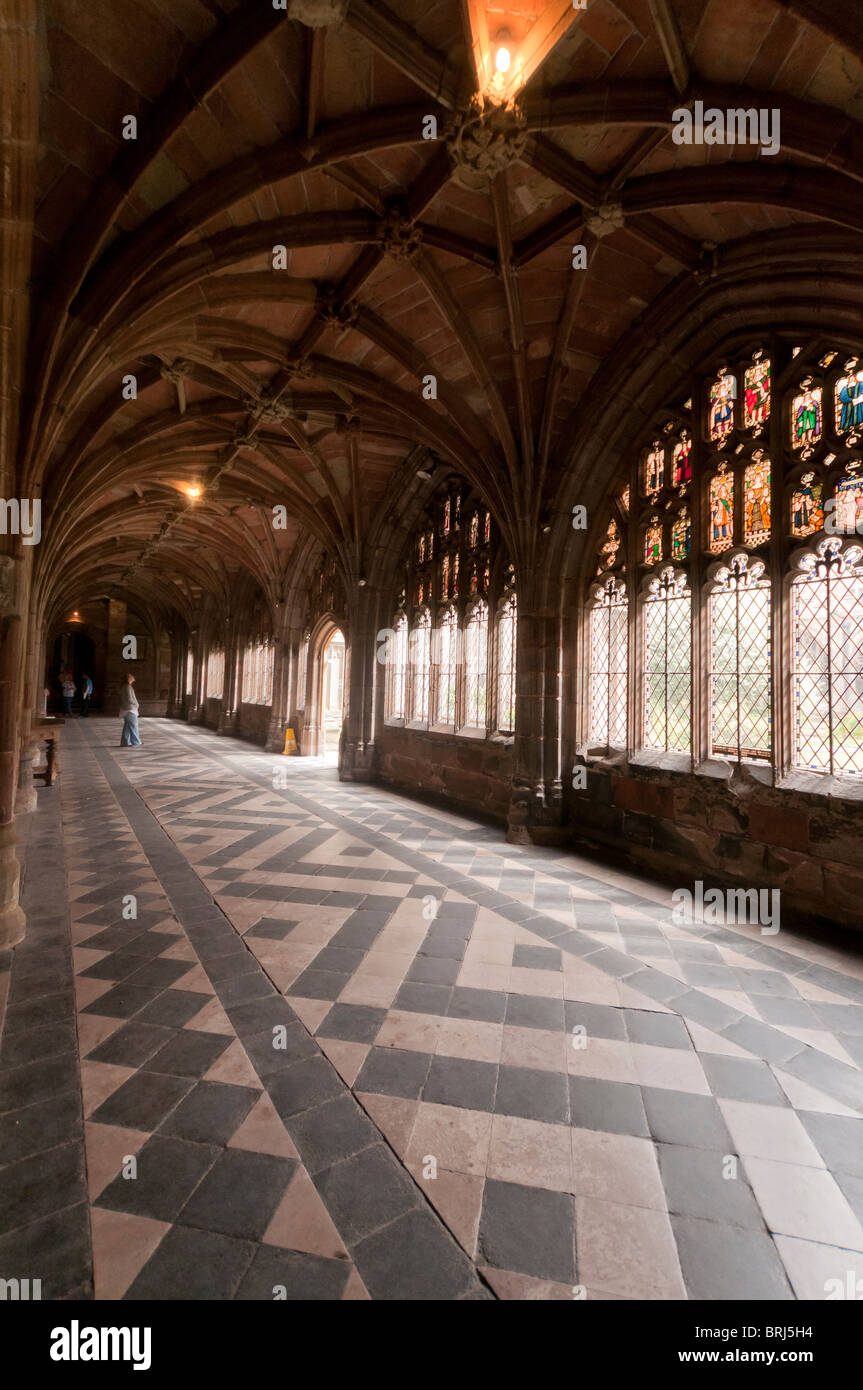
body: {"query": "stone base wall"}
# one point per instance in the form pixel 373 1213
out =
pixel 253 722
pixel 472 773
pixel 743 834
pixel 212 712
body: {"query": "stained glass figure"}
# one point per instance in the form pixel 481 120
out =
pixel 653 544
pixel 807 513
pixel 624 499
pixel 849 403
pixel 455 577
pixel 654 469
pixel 486 528
pixel 610 547
pixel 721 511
pixel 806 417
pixel 681 536
pixel 756 502
pixel 723 394
pixel 848 508
pixel 447 517
pixel 756 394
pixel 681 463
pixel 444 577
pixel 421 550
pixel 473 532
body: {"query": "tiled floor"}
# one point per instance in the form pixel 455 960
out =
pixel 296 1038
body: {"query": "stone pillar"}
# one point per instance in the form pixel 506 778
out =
pixel 233 683
pixel 536 811
pixel 196 708
pixel 363 679
pixel 12 920
pixel 283 673
pixel 115 666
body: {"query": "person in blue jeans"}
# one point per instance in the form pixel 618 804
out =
pixel 86 695
pixel 129 710
pixel 68 685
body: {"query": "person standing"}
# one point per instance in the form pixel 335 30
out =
pixel 129 710
pixel 86 695
pixel 68 685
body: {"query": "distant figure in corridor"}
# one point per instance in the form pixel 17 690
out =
pixel 68 685
pixel 129 711
pixel 86 694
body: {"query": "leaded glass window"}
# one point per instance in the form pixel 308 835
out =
pixel 756 395
pixel 446 666
pixel 397 668
pixel 476 665
pixel 721 511
pixel 608 664
pixel 506 665
pixel 827 675
pixel 215 674
pixel 302 668
pixel 740 672
pixel 668 662
pixel 420 666
pixel 756 502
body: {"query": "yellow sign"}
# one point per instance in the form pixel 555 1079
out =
pixel 290 743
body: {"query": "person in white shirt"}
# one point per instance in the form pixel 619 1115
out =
pixel 129 709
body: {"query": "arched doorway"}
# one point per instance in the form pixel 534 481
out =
pixel 333 691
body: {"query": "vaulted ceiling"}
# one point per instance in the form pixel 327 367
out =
pixel 405 257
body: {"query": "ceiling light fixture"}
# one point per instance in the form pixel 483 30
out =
pixel 503 51
pixel 193 492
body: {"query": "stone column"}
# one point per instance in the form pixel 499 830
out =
pixel 536 811
pixel 357 749
pixel 283 673
pixel 12 920
pixel 115 666
pixel 233 683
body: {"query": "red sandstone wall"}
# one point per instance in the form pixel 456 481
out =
pixel 473 773
pixel 808 846
pixel 253 722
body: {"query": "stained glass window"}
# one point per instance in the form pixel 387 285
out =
pixel 446 665
pixel 486 528
pixel 444 577
pixel 190 667
pixel 756 502
pixel 397 668
pixel 667 663
pixel 756 395
pixel 847 511
pixel 473 533
pixel 608 665
pixel 827 615
pixel 681 464
pixel 807 513
pixel 610 546
pixel 506 667
pixel 849 403
pixel 723 394
pixel 653 544
pixel 624 499
pixel 721 534
pixel 681 536
pixel 215 674
pixel 654 469
pixel 302 668
pixel 806 417
pixel 740 661
pixel 476 665
pixel 420 666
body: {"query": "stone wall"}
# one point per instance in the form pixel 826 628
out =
pixel 732 831
pixel 253 722
pixel 474 773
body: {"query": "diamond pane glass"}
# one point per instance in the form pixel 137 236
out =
pixel 447 665
pixel 827 614
pixel 420 666
pixel 476 666
pixel 397 669
pixel 506 632
pixel 740 669
pixel 667 670
pixel 608 668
